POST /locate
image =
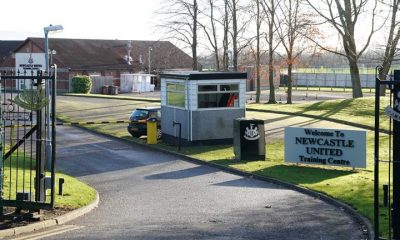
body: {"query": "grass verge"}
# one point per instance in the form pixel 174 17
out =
pixel 18 177
pixel 113 97
pixel 359 110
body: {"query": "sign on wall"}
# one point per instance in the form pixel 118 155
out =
pixel 28 62
pixel 332 147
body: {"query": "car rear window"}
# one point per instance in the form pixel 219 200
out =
pixel 140 114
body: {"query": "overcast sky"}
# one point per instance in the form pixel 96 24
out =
pixel 116 19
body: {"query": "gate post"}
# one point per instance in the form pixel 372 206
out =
pixel 40 194
pixel 1 159
pixel 396 158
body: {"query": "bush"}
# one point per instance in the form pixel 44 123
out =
pixel 81 84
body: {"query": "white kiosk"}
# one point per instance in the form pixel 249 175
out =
pixel 202 104
pixel 136 83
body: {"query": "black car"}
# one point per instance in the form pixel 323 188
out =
pixel 138 121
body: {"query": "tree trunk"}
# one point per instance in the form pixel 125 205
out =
pixel 194 41
pixel 289 89
pixel 271 99
pixel 214 34
pixel 258 91
pixel 391 46
pixel 235 36
pixel 355 79
pixel 225 58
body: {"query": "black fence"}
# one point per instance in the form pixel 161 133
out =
pixel 27 124
pixel 389 204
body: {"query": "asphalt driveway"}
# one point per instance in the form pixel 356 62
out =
pixel 146 194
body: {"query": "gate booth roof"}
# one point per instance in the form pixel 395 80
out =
pixel 193 75
pixel 93 54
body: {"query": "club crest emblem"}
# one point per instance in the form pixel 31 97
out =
pixel 252 133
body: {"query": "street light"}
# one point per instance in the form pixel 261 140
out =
pixel 47 30
pixel 150 49
pixel 52 52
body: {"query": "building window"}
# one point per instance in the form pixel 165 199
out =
pixel 218 96
pixel 176 94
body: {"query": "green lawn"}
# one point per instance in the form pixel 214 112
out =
pixel 113 97
pixel 360 110
pixel 328 89
pixel 18 178
pixel 354 187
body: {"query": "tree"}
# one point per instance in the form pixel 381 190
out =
pixel 294 25
pixel 343 15
pixel 269 7
pixel 211 32
pixel 226 24
pixel 235 34
pixel 258 26
pixel 392 42
pixel 181 23
pixel 238 29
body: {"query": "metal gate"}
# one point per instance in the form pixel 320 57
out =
pixel 27 125
pixel 390 206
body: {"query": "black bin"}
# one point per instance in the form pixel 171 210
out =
pixel 113 90
pixel 104 89
pixel 249 139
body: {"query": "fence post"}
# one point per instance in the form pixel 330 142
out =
pixel 396 158
pixel 334 72
pixel 40 193
pixel 1 159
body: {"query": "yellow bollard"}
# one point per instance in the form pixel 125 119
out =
pixel 152 131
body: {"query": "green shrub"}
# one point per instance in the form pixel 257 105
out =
pixel 81 84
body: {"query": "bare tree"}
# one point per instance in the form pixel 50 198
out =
pixel 211 31
pixel 392 42
pixel 258 27
pixel 293 26
pixel 270 7
pixel 226 23
pixel 181 23
pixel 343 16
pixel 235 33
pixel 239 42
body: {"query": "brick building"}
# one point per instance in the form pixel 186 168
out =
pixel 108 58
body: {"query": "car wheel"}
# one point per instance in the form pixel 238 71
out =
pixel 159 133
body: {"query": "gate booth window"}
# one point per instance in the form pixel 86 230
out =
pixel 176 94
pixel 218 96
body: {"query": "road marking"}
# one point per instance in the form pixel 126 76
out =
pixel 48 233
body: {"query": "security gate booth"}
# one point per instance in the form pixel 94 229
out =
pixel 199 107
pixel 27 142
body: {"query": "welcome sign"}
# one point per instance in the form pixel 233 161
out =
pixel 25 63
pixel 335 147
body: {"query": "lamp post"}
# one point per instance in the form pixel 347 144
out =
pixel 52 52
pixel 150 49
pixel 47 30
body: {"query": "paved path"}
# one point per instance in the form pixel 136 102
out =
pixel 150 195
